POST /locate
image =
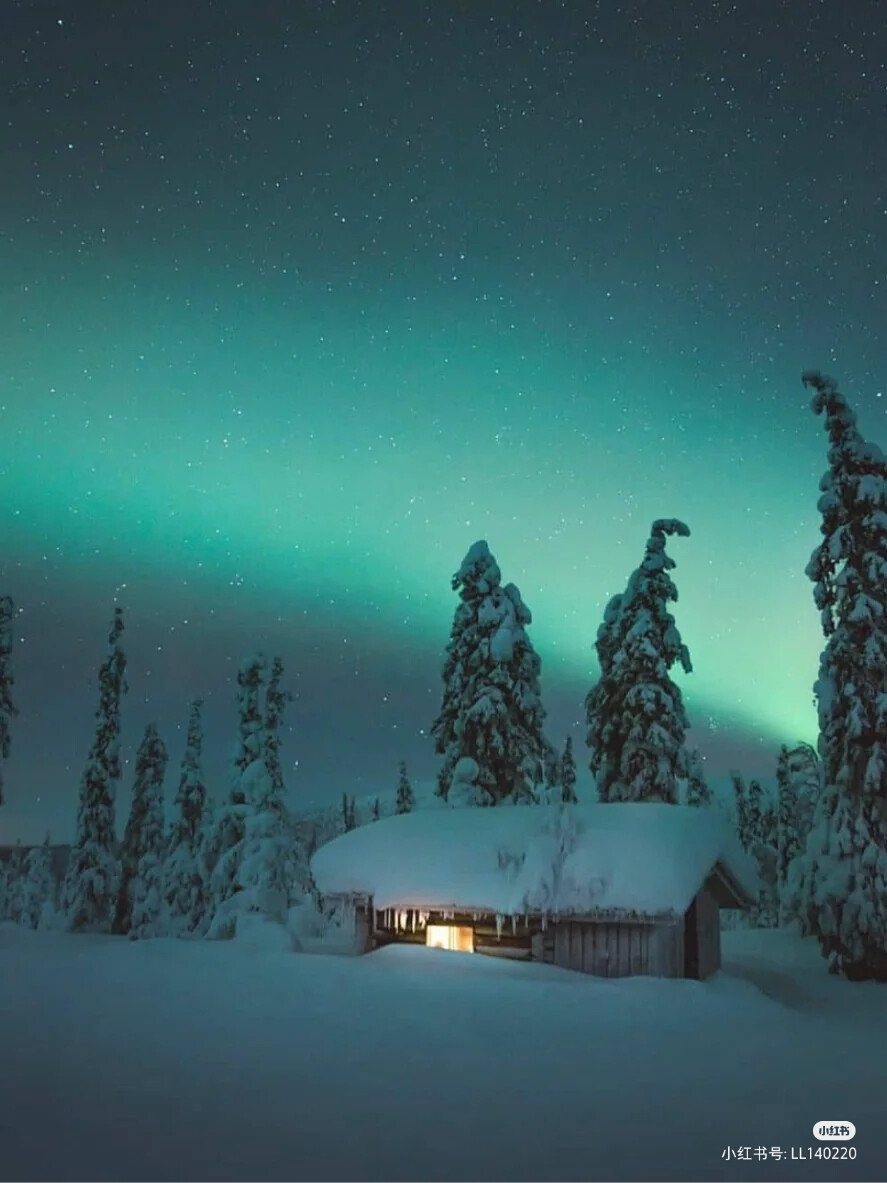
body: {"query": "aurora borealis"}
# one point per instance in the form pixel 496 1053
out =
pixel 301 300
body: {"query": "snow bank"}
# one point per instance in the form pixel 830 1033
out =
pixel 645 858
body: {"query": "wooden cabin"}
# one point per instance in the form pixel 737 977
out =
pixel 558 889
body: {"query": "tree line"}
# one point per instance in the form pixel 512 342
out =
pixel 821 844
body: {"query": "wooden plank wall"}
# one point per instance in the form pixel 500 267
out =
pixel 615 950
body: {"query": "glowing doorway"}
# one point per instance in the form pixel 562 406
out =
pixel 455 937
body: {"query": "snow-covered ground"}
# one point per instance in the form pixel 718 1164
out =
pixel 173 1060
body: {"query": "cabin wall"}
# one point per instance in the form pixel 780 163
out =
pixel 708 934
pixel 363 930
pixel 605 948
pixel 620 949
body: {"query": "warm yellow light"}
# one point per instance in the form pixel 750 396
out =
pixel 450 936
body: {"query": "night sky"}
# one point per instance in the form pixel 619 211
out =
pixel 301 299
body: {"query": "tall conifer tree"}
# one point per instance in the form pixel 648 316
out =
pixel 224 849
pixel 846 851
pixel 140 899
pixel 93 876
pixel 185 888
pixel 8 710
pixel 637 724
pixel 406 800
pixel 491 711
pixel 568 773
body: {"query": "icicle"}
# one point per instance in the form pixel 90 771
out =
pixel 413 915
pixel 499 921
pixel 513 925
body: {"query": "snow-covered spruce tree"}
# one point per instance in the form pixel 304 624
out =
pixel 38 888
pixel 698 792
pixel 798 780
pixel 8 710
pixel 756 828
pixel 568 773
pixel 15 878
pixel 406 799
pixel 491 711
pixel 140 899
pixel 846 852
pixel 349 813
pixel 224 849
pixel 637 724
pixel 267 865
pixel 184 885
pixel 4 890
pixel 92 879
pixel 297 875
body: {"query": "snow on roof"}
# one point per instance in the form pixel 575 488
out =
pixel 645 858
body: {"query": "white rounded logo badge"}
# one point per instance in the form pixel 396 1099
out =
pixel 834 1131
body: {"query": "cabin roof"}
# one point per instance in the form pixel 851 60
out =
pixel 640 858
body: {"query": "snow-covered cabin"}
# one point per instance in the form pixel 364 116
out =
pixel 613 889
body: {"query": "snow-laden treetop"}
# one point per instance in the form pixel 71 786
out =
pixel 479 573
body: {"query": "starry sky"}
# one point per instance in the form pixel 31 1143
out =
pixel 300 300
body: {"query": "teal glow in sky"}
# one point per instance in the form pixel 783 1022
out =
pixel 285 332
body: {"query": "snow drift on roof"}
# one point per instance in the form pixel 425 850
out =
pixel 640 858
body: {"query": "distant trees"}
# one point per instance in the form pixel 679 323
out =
pixel 491 710
pixel 757 832
pixel 349 814
pixel 798 783
pixel 698 792
pixel 140 898
pixel 38 889
pixel 637 724
pixel 846 853
pixel 7 707
pixel 93 875
pixel 12 882
pixel 406 799
pixel 568 773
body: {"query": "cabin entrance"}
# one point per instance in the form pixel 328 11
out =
pixel 457 938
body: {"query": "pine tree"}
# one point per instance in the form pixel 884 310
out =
pixel 140 898
pixel 491 711
pixel 38 888
pixel 568 773
pixel 8 710
pixel 637 724
pixel 847 849
pixel 185 888
pixel 224 849
pixel 93 875
pixel 406 800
